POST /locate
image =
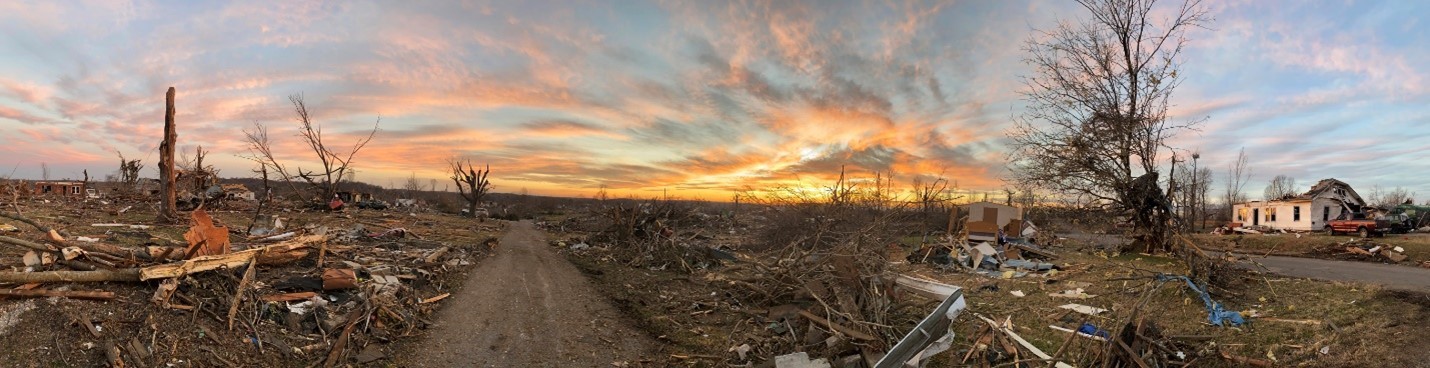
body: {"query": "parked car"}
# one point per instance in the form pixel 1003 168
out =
pixel 1360 224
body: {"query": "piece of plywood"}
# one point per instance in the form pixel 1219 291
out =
pixel 204 238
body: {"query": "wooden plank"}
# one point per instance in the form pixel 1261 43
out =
pixel 289 297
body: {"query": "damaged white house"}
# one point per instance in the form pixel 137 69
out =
pixel 1309 211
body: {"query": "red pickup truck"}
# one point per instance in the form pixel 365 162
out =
pixel 1358 223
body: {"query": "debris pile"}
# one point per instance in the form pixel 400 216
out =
pixel 1013 258
pixel 1365 250
pixel 307 294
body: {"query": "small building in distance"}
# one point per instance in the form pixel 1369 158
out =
pixel 63 188
pixel 1309 211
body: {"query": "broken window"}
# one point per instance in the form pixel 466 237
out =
pixel 1326 214
pixel 1296 213
pixel 1271 214
pixel 1241 214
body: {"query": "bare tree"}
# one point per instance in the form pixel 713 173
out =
pixel 1097 114
pixel 930 195
pixel 471 183
pixel 1279 187
pixel 260 151
pixel 412 185
pixel 1193 184
pixel 1237 175
pixel 1382 198
pixel 336 165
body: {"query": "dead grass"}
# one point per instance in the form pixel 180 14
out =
pixel 1417 246
pixel 1359 325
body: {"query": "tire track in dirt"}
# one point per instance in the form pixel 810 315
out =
pixel 527 307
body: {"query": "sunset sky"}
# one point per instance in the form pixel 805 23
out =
pixel 694 97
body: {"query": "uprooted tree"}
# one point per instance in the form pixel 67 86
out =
pixel 471 183
pixel 1097 109
pixel 334 164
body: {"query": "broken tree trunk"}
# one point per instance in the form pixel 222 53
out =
pixel 168 211
pixel 231 260
pixel 131 274
pixel 43 293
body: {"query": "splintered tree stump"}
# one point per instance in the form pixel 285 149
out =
pixel 168 211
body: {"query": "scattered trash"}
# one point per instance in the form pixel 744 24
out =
pixel 1084 309
pixel 741 350
pixel 1006 327
pixel 1072 293
pixel 1018 293
pixel 1079 332
pixel 799 360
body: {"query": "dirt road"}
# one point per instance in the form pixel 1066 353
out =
pixel 527 307
pixel 1393 276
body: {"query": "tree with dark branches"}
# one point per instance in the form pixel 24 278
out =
pixel 1098 96
pixel 335 165
pixel 471 183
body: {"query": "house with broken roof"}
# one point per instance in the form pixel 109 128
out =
pixel 238 192
pixel 1309 211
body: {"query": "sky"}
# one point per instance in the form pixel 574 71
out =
pixel 694 99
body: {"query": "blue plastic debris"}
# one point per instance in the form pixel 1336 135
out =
pixel 1217 315
pixel 1089 329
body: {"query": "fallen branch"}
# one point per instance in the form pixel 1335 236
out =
pixel 131 274
pixel 26 243
pixel 1244 361
pixel 45 293
pixel 837 327
pixel 26 220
